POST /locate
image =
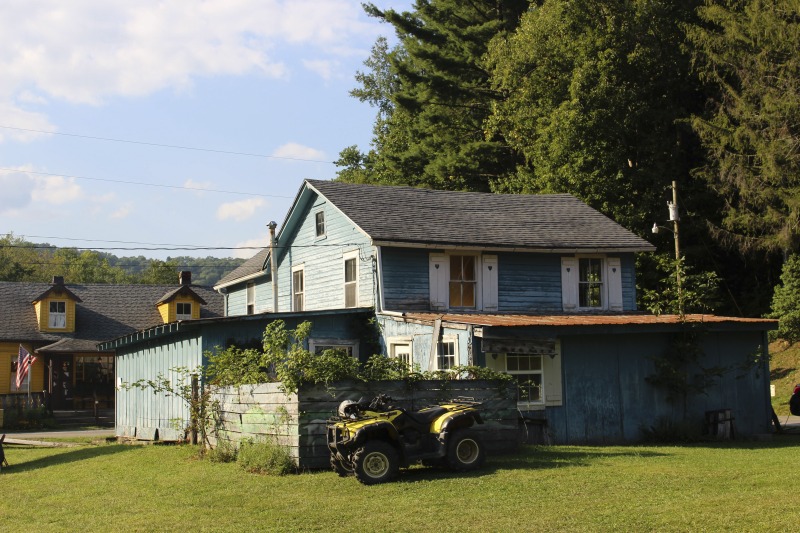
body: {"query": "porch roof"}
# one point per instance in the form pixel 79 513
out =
pixel 588 319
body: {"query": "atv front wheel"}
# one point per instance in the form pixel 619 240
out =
pixel 375 462
pixel 342 468
pixel 465 451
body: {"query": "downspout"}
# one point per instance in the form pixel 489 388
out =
pixel 379 292
pixel 273 266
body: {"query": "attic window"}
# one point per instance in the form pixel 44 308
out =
pixel 183 311
pixel 320 223
pixel 58 315
pixel 251 298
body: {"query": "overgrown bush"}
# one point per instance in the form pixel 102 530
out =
pixel 264 457
pixel 224 452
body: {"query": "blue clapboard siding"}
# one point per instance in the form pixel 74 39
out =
pixel 141 412
pixel 527 282
pixel 405 279
pixel 628 262
pixel 608 398
pixel 322 259
pixel 420 336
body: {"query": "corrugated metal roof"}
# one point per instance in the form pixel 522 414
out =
pixel 583 319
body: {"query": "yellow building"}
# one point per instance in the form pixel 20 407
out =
pixel 61 325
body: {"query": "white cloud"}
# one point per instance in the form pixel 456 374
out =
pixel 323 68
pixel 14 116
pixel 197 186
pixel 241 210
pixel 298 151
pixel 17 189
pixel 85 51
pixel 122 212
pixel 250 247
pixel 56 190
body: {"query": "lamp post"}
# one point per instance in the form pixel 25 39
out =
pixel 674 217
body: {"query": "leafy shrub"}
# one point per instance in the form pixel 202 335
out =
pixel 265 457
pixel 380 368
pixel 224 452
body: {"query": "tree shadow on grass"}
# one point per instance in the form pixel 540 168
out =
pixel 71 456
pixel 528 458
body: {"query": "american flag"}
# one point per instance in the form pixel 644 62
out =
pixel 24 363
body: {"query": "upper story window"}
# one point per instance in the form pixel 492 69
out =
pixel 183 311
pixel 58 315
pixel 319 224
pixel 590 283
pixel 462 281
pixel 351 280
pixel 298 289
pixel 251 298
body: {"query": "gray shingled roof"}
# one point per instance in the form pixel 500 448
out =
pixel 447 218
pixel 248 268
pixel 105 312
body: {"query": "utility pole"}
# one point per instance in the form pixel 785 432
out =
pixel 674 218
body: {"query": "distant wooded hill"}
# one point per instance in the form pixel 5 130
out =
pixel 21 260
pixel 205 270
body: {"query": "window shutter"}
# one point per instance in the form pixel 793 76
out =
pixel 489 281
pixel 439 281
pixel 614 283
pixel 551 367
pixel 569 283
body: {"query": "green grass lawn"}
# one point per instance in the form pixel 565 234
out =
pixel 721 487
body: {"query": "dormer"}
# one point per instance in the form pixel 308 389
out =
pixel 55 308
pixel 182 303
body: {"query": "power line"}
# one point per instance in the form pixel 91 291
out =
pixel 173 146
pixel 160 185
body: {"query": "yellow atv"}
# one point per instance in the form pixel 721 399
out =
pixel 373 440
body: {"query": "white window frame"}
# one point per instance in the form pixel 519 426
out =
pixel 611 291
pixel 402 348
pixel 529 372
pixel 350 256
pixel 56 319
pixel 603 283
pixel 475 282
pixel 447 340
pixel 317 215
pixel 302 292
pixel 251 298
pixel 183 316
pixel 486 280
pixel 319 344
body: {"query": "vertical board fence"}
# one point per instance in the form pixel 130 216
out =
pixel 297 421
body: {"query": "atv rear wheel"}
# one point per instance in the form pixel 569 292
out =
pixel 465 451
pixel 342 468
pixel 375 462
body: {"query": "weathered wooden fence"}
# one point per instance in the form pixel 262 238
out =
pixel 297 421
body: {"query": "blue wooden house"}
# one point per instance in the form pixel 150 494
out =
pixel 541 287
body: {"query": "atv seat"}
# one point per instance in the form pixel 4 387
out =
pixel 426 416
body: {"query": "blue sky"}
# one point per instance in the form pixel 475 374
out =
pixel 263 77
